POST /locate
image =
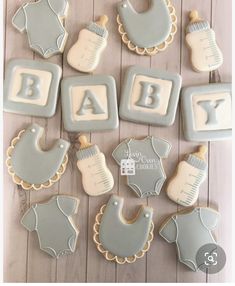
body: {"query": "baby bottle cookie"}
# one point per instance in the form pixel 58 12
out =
pixel 86 52
pixel 205 53
pixel 30 166
pixel 183 188
pixel 96 177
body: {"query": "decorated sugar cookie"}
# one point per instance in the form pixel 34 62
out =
pixel 30 166
pixel 52 221
pixel 149 32
pixel 190 230
pixel 120 240
pixel 183 188
pixel 205 53
pixel 141 162
pixel 96 177
pixel 85 54
pixel 42 21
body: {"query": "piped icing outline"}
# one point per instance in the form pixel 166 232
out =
pixel 154 50
pixel 108 255
pixel 25 185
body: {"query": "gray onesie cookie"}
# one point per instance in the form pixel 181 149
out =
pixel 190 231
pixel 120 240
pixel 42 21
pixel 56 231
pixel 146 155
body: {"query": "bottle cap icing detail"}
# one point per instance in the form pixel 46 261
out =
pixel 120 240
pixel 149 32
pixel 56 212
pixel 48 38
pixel 44 168
pixel 205 53
pixel 96 177
pixel 194 226
pixel 86 53
pixel 183 187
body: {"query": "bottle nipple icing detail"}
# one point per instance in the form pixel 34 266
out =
pixel 96 177
pixel 183 188
pixel 205 53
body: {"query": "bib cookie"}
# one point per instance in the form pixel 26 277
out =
pixel 30 166
pixel 96 177
pixel 190 231
pixel 183 188
pixel 141 162
pixel 205 53
pixel 119 240
pixel 85 54
pixel 52 221
pixel 149 32
pixel 42 21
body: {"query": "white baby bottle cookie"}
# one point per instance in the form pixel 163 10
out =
pixel 96 177
pixel 183 188
pixel 205 53
pixel 85 54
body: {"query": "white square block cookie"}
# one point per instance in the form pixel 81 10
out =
pixel 207 112
pixel 89 103
pixel 150 96
pixel 31 87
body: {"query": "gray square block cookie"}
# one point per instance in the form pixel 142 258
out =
pixel 150 96
pixel 31 87
pixel 207 112
pixel 89 103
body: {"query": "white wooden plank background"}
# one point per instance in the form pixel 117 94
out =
pixel 23 261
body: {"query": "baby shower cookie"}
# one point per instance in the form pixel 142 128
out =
pixel 141 162
pixel 30 166
pixel 89 103
pixel 205 53
pixel 85 54
pixel 96 177
pixel 190 230
pixel 207 112
pixel 42 21
pixel 31 87
pixel 149 32
pixel 183 188
pixel 56 231
pixel 120 240
pixel 150 96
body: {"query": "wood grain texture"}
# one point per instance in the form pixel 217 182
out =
pixel 23 261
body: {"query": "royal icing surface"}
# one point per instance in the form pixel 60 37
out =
pixel 150 96
pixel 150 31
pixel 48 38
pixel 32 167
pixel 89 103
pixel 96 177
pixel 31 87
pixel 85 54
pixel 207 112
pixel 118 239
pixel 190 231
pixel 149 176
pixel 52 221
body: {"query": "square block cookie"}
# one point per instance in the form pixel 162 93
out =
pixel 150 96
pixel 31 87
pixel 89 103
pixel 207 112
